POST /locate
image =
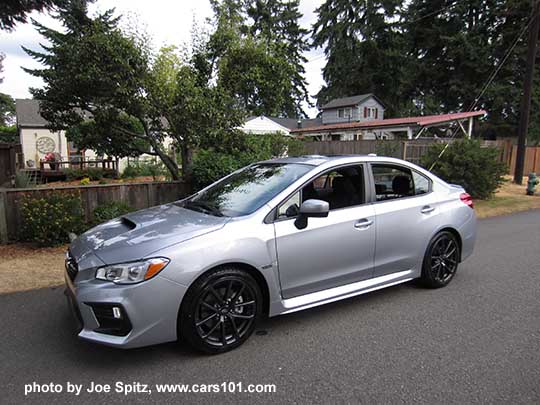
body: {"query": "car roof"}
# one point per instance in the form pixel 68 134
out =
pixel 317 160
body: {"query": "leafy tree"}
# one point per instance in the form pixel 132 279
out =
pixel 259 78
pixel 94 70
pixel 118 99
pixel 363 44
pixel 260 66
pixel 7 110
pixel 107 135
pixel 197 112
pixel 16 11
pixel 8 129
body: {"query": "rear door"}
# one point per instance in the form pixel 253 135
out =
pixel 331 251
pixel 407 214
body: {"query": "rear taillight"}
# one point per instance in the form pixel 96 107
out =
pixel 467 199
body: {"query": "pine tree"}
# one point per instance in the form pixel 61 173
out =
pixel 454 51
pixel 277 23
pixel 16 11
pixel 363 44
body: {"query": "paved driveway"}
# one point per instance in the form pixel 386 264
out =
pixel 478 340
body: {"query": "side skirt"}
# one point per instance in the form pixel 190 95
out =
pixel 345 291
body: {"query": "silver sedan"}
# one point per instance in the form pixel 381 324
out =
pixel 272 238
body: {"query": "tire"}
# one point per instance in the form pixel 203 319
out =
pixel 220 310
pixel 440 261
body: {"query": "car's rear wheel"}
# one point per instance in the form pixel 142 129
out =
pixel 441 260
pixel 220 310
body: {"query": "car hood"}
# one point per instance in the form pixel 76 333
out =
pixel 139 234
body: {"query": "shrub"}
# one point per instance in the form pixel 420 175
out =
pixel 144 168
pixel 131 171
pixel 210 165
pixel 467 163
pixel 49 220
pixel 93 173
pixel 23 179
pixel 111 210
pixel 85 181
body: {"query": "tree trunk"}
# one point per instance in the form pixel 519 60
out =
pixel 117 168
pixel 187 166
pixel 170 164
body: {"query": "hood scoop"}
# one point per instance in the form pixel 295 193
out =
pixel 128 223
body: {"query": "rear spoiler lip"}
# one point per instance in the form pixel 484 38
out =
pixel 456 186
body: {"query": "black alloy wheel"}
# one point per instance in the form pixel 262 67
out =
pixel 441 260
pixel 220 310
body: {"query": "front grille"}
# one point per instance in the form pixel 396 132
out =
pixel 107 322
pixel 71 266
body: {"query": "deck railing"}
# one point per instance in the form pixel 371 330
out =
pixel 77 162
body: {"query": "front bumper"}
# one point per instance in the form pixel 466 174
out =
pixel 151 307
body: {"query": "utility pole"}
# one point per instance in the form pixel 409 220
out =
pixel 527 92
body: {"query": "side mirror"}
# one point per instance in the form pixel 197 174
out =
pixel 311 208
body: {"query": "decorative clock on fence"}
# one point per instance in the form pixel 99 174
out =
pixel 45 144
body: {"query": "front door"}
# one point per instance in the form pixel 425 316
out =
pixel 331 251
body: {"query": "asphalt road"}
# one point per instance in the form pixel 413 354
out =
pixel 475 341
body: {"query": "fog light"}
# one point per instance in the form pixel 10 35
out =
pixel 117 313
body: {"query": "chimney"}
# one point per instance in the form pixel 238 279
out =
pixel 299 123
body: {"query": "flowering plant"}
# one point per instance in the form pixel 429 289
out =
pixel 49 157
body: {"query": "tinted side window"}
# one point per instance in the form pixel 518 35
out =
pixel 421 184
pixel 291 207
pixel 392 182
pixel 341 188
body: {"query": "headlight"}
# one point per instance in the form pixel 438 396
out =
pixel 131 273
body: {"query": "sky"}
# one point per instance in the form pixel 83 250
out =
pixel 169 22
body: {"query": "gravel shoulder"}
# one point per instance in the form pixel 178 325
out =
pixel 25 267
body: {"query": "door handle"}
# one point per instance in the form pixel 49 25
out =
pixel 363 224
pixel 427 209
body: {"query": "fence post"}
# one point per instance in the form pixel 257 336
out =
pixel 404 155
pixel 3 219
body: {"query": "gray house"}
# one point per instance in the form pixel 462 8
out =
pixel 364 107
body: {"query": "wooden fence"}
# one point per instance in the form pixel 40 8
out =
pixel 137 195
pixel 532 157
pixel 9 154
pixel 413 151
pixel 407 150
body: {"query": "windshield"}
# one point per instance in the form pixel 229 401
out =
pixel 246 191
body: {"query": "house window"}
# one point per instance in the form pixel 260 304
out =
pixel 344 112
pixel 371 112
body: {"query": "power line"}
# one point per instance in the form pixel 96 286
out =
pixel 437 12
pixel 488 83
pixel 433 13
pixel 316 58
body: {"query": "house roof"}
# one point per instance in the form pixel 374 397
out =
pixel 292 123
pixel 27 113
pixel 420 121
pixel 349 101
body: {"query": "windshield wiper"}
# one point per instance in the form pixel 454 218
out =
pixel 203 207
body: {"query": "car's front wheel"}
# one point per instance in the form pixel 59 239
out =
pixel 441 260
pixel 220 310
